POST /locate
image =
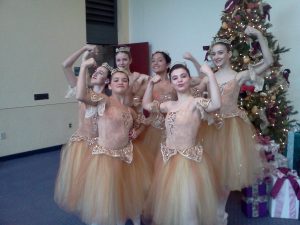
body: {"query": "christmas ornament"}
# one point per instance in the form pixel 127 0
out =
pixel 286 74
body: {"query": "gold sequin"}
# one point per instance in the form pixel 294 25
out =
pixel 194 153
pixel 125 153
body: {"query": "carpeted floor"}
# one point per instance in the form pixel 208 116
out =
pixel 26 195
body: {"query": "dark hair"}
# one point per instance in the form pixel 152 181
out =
pixel 166 57
pixel 179 66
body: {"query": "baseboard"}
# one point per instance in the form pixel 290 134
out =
pixel 29 153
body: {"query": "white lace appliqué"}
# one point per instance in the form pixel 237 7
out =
pixel 194 153
pixel 125 153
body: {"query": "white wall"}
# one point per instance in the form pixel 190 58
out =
pixel 36 36
pixel 177 26
pixel 123 21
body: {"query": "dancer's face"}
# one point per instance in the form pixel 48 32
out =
pixel 123 60
pixel 220 55
pixel 159 63
pixel 180 80
pixel 119 83
pixel 99 76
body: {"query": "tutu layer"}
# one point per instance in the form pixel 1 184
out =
pixel 111 189
pixel 183 192
pixel 233 152
pixel 72 156
pixel 149 141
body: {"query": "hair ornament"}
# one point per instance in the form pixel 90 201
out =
pixel 107 66
pixel 222 40
pixel 123 49
pixel 113 71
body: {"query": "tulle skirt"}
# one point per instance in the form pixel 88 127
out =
pixel 112 190
pixel 72 155
pixel 233 152
pixel 183 192
pixel 149 141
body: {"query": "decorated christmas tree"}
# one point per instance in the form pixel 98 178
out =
pixel 268 109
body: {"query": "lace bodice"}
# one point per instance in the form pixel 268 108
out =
pixel 114 122
pixel 182 127
pixel 229 96
pixel 87 123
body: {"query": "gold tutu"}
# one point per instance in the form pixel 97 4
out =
pixel 72 155
pixel 149 141
pixel 182 190
pixel 233 152
pixel 112 190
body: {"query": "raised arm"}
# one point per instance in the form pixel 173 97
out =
pixel 266 52
pixel 69 62
pixel 147 99
pixel 214 89
pixel 81 94
pixel 139 83
pixel 195 80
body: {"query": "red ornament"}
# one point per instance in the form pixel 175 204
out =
pixel 247 88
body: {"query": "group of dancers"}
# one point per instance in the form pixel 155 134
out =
pixel 151 149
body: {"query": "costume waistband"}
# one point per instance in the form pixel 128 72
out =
pixel 194 153
pixel 125 153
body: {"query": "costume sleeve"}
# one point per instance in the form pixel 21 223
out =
pixel 101 100
pixel 202 104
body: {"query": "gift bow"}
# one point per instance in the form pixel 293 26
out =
pixel 206 48
pixel 264 140
pixel 283 174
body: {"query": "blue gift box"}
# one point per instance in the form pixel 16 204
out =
pixel 293 150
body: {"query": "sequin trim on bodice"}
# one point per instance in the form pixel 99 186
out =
pixel 76 137
pixel 194 153
pixel 125 153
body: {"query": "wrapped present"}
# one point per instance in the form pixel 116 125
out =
pixel 293 150
pixel 255 190
pixel 255 199
pixel 271 158
pixel 285 194
pixel 256 206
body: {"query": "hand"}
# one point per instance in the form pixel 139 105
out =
pixel 251 31
pixel 188 56
pixel 155 79
pixel 89 63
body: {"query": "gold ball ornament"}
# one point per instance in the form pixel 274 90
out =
pixel 273 97
pixel 246 59
pixel 254 110
pixel 224 25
